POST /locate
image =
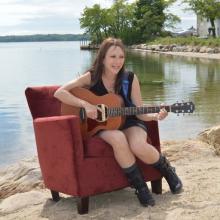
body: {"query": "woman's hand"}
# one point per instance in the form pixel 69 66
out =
pixel 161 115
pixel 91 110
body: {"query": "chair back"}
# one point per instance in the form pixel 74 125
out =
pixel 41 101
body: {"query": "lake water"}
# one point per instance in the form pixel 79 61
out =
pixel 164 79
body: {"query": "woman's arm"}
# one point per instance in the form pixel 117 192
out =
pixel 137 100
pixel 64 95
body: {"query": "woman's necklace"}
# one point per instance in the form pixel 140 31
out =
pixel 111 90
pixel 110 87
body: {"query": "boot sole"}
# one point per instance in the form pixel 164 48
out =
pixel 179 190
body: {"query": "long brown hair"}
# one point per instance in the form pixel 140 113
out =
pixel 98 67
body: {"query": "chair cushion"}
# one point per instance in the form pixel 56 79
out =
pixel 96 147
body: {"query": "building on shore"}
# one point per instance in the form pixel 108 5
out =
pixel 204 25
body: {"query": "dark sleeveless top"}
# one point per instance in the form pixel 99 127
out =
pixel 99 89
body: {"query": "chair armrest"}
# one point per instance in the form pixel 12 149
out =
pixel 60 149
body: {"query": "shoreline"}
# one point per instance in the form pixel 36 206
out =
pixel 215 56
pixel 174 50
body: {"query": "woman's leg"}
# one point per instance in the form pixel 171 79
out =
pixel 147 153
pixel 137 137
pixel 119 143
pixel 126 160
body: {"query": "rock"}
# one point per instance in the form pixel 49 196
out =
pixel 203 49
pixel 179 49
pixel 141 46
pixel 22 200
pixel 189 49
pixel 210 50
pixel 212 137
pixel 196 49
pixel 21 177
pixel 216 50
pixel 176 48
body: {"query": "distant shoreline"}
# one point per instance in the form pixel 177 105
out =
pixel 44 38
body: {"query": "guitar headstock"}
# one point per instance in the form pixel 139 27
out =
pixel 184 107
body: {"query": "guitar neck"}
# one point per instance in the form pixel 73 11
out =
pixel 126 111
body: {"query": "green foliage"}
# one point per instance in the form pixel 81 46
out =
pixel 122 21
pixel 194 41
pixel 133 23
pixel 209 9
pixel 150 18
pixel 94 21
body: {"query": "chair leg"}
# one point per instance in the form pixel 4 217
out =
pixel 156 186
pixel 55 195
pixel 83 205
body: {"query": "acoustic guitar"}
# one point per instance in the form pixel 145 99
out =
pixel 111 112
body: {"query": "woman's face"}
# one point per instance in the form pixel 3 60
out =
pixel 114 60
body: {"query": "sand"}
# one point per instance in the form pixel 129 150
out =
pixel 196 163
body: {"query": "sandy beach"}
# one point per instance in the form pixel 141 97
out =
pixel 196 162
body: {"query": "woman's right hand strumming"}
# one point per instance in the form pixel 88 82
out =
pixel 91 110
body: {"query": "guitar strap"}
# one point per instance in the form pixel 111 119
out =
pixel 125 89
pixel 125 84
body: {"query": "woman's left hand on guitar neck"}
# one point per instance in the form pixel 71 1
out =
pixel 160 116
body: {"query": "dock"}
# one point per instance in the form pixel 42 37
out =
pixel 86 45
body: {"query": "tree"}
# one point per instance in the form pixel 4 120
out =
pixel 132 23
pixel 209 9
pixel 150 17
pixel 122 16
pixel 115 21
pixel 93 21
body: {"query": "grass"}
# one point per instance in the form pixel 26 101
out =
pixel 193 41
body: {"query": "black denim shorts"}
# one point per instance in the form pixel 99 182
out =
pixel 133 121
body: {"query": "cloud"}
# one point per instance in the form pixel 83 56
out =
pixel 15 12
pixel 51 16
pixel 20 16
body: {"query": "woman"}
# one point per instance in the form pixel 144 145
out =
pixel 106 76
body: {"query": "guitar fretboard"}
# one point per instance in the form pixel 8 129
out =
pixel 126 111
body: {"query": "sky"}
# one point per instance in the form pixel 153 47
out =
pixel 21 17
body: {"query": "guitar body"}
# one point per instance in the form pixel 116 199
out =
pixel 88 126
pixel 111 111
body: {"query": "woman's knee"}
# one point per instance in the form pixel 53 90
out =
pixel 114 137
pixel 137 146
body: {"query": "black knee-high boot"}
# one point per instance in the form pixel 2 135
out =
pixel 169 173
pixel 135 178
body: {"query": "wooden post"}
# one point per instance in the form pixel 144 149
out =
pixel 83 205
pixel 55 195
pixel 156 186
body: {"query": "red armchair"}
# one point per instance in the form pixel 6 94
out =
pixel 73 166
